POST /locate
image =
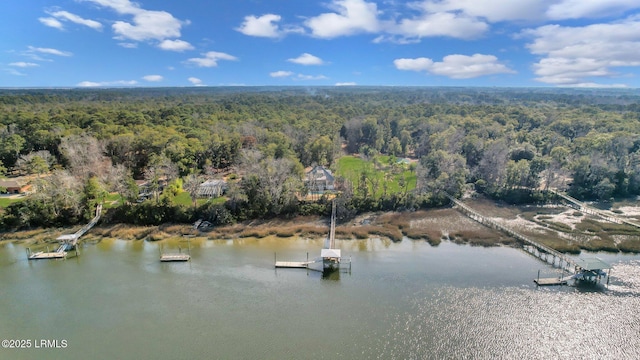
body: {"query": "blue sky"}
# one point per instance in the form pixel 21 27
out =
pixel 114 43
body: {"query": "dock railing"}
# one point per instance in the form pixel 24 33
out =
pixel 491 223
pixel 581 206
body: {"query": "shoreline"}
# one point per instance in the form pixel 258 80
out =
pixel 561 228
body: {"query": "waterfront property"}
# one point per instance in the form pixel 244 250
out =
pixel 319 179
pixel 589 270
pixel 212 188
pixel 68 242
pixel 330 255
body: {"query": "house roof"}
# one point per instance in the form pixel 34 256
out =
pixel 11 184
pixel 320 173
pixel 214 182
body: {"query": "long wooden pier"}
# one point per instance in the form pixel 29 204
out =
pixel 543 251
pixel 69 241
pixel 72 239
pixel 581 206
pixel 330 257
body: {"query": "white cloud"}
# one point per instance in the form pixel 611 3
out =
pixel 128 45
pixel 280 73
pixel 48 51
pixel 417 64
pixel 509 10
pixel 346 84
pixel 51 22
pixel 575 9
pixel 263 26
pixel 195 81
pixel 310 77
pixel 456 66
pixel 350 17
pixel 441 24
pixel 575 55
pixel 149 25
pixel 175 45
pixel 210 59
pixel 491 10
pixel 67 16
pixel 145 24
pixel 23 64
pixel 606 86
pixel 107 83
pixel 153 78
pixel 121 6
pixel 306 59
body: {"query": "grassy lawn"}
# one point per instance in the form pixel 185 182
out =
pixel 382 169
pixel 112 200
pixel 185 199
pixel 5 201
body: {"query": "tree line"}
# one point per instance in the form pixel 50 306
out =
pixel 81 145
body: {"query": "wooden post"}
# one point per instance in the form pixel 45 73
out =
pixel 538 277
pixel 608 277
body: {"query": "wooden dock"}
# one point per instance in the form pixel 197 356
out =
pixel 550 281
pixel 581 206
pixel 47 255
pixel 294 264
pixel 541 251
pixel 175 257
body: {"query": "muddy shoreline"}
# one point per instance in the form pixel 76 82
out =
pixel 557 226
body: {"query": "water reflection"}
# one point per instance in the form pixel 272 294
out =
pixel 403 300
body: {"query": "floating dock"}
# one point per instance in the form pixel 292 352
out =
pixel 549 281
pixel 175 257
pixel 40 255
pixel 294 264
pixel 164 257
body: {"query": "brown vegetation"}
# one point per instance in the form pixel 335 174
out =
pixel 558 227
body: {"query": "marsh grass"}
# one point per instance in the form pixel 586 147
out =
pixel 600 244
pixel 629 246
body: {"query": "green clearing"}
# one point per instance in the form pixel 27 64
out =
pixel 381 169
pixel 6 201
pixel 184 199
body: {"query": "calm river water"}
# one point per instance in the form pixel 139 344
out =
pixel 404 300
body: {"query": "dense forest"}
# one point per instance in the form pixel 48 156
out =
pixel 80 146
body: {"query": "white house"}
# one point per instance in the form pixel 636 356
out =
pixel 319 179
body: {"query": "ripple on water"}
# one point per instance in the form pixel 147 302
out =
pixel 510 323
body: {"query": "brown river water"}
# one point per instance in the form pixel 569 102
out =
pixel 405 300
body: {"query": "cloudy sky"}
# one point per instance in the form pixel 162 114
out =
pixel 114 43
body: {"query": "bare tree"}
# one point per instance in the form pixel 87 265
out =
pixel 61 190
pixel 160 171
pixel 120 181
pixel 37 162
pixel 85 156
pixel 191 185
